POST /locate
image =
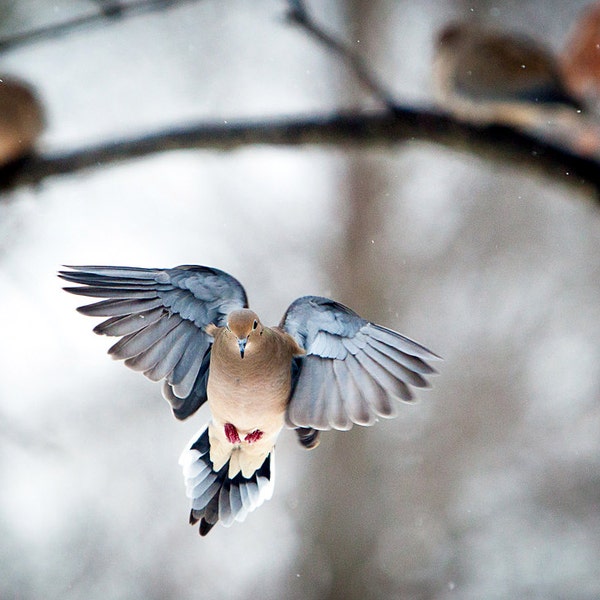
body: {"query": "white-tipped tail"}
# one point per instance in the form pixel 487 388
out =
pixel 214 495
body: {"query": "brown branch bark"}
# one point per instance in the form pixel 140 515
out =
pixel 405 126
pixel 400 125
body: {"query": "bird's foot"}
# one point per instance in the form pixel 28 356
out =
pixel 253 436
pixel 231 434
pixel 308 437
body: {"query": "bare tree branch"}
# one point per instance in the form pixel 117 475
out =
pixel 110 11
pixel 299 15
pixel 406 126
pixel 403 125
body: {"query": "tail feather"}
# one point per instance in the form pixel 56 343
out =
pixel 215 496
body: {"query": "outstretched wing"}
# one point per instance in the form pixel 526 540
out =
pixel 353 371
pixel 160 316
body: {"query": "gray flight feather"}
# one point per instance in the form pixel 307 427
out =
pixel 118 326
pixel 354 371
pixel 159 316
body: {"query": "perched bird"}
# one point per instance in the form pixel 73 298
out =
pixel 21 119
pixel 580 58
pixel 323 367
pixel 494 77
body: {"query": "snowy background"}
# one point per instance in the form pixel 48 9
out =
pixel 489 487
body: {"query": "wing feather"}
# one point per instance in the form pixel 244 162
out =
pixel 171 351
pixel 160 316
pixel 124 325
pixel 310 411
pixel 412 363
pixel 183 387
pixel 333 401
pixel 375 395
pixel 119 308
pixel 396 369
pixel 174 340
pixel 354 371
pixel 113 292
pixel 358 409
pixel 135 343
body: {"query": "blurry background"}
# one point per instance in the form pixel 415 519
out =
pixel 489 487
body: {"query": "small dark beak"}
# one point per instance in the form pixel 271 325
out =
pixel 242 344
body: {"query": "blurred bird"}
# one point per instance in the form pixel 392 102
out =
pixel 580 58
pixel 490 77
pixel 495 77
pixel 21 120
pixel 323 367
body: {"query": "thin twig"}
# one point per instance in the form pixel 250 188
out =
pixel 408 125
pixel 110 11
pixel 299 15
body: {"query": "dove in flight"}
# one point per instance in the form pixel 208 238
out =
pixel 323 367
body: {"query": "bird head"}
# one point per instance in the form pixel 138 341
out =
pixel 452 35
pixel 244 324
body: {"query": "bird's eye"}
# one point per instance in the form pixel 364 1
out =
pixel 255 324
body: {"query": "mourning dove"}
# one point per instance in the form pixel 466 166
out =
pixel 491 78
pixel 21 119
pixel 580 58
pixel 323 367
pixel 487 76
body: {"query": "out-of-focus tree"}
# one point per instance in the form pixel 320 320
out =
pixel 473 235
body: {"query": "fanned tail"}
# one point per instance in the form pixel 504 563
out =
pixel 214 496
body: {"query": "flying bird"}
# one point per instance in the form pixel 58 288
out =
pixel 323 367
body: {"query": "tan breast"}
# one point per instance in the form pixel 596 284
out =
pixel 251 392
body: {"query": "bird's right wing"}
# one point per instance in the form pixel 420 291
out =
pixel 160 316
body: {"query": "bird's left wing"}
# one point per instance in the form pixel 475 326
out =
pixel 160 316
pixel 353 370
